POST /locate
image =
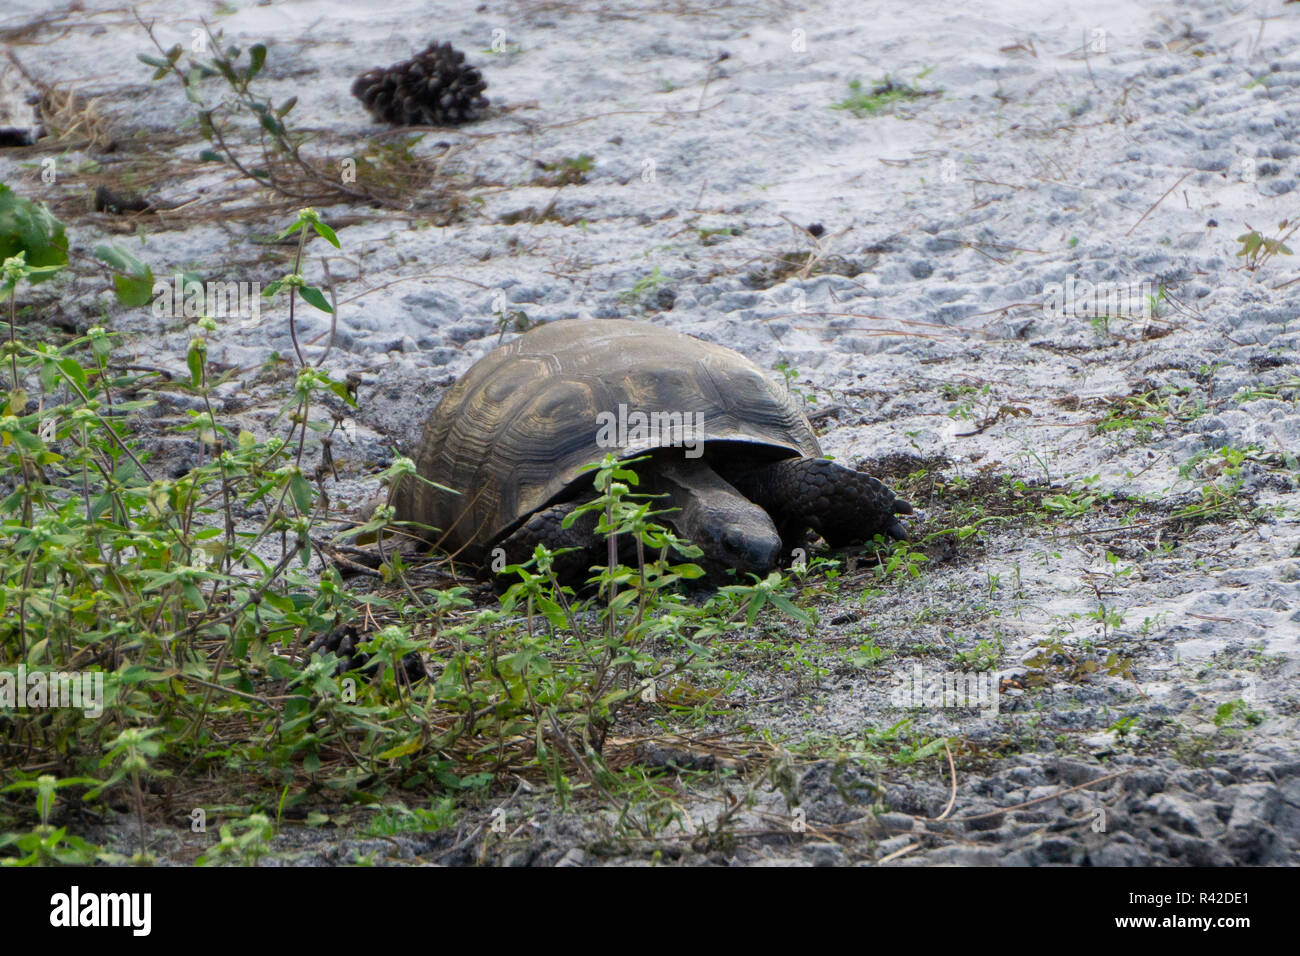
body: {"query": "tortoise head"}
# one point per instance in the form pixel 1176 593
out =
pixel 730 529
pixel 744 539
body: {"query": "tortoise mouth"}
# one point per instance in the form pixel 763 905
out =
pixel 750 550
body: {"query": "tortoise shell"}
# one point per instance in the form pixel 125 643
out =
pixel 514 433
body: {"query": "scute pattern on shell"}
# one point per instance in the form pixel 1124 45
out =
pixel 433 88
pixel 514 432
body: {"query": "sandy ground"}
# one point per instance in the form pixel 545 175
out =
pixel 1115 142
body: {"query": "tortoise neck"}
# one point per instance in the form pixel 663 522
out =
pixel 731 530
pixel 690 484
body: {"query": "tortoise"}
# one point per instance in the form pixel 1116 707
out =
pixel 733 452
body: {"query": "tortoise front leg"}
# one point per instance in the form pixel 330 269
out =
pixel 546 528
pixel 842 505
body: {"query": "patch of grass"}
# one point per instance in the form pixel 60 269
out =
pixel 394 818
pixel 394 168
pixel 568 171
pixel 1077 500
pixel 1145 413
pixel 1235 714
pixel 1231 719
pixel 532 214
pixel 1056 662
pixel 967 503
pixel 805 264
pixel 711 237
pixel 865 655
pixel 1220 494
pixel 898 745
pixel 1286 391
pixel 984 656
pixel 882 96
pixel 643 288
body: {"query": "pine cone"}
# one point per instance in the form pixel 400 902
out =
pixel 433 88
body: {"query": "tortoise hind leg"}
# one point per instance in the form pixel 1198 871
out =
pixel 546 528
pixel 842 505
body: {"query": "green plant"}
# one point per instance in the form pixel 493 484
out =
pixel 642 288
pixel 202 594
pixel 46 844
pixel 1108 618
pixel 883 95
pixel 866 654
pixel 1156 302
pixel 1077 501
pixel 1055 661
pixel 984 656
pixel 280 162
pixel 1227 715
pixel 569 170
pixel 27 229
pixel 109 568
pixel 900 563
pixel 244 848
pixel 790 374
pixel 1221 484
pixel 393 818
pixel 1150 624
pixel 897 745
pixel 711 237
pixel 1123 726
pixel 132 752
pixel 1256 249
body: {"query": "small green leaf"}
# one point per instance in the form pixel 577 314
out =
pixel 341 390
pixel 29 228
pixel 133 292
pixel 224 68
pixel 135 287
pixel 73 370
pixel 194 359
pixel 256 57
pixel 314 297
pixel 326 233
pixel 554 613
pixel 29 442
pixel 300 489
pixel 782 602
pixel 192 94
